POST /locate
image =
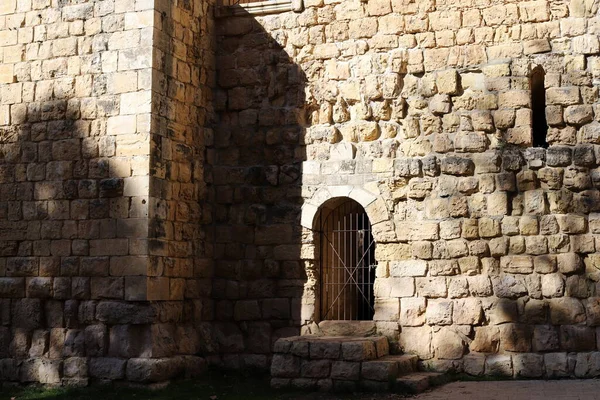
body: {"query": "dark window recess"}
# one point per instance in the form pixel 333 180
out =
pixel 538 108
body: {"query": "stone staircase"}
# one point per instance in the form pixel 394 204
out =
pixel 346 364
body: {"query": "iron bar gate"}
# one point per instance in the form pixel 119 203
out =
pixel 347 264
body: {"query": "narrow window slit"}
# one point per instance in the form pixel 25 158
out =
pixel 538 107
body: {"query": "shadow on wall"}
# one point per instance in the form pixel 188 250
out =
pixel 74 214
pixel 254 172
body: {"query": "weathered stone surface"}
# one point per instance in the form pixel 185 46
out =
pixel 152 370
pixel 448 344
pixel 487 339
pixel 124 313
pixel 315 368
pixel 556 365
pixel 344 370
pixel 499 365
pixel 359 350
pixel 325 349
pixel 139 194
pixel 285 366
pixel 107 368
pixel 528 365
pixel 566 310
pixel 417 340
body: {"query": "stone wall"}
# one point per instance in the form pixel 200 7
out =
pixel 254 175
pixel 485 245
pixel 102 109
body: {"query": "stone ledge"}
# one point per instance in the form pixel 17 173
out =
pixel 259 8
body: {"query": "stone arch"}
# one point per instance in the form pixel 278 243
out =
pixel 374 205
pixel 328 197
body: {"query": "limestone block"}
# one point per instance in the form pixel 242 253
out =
pixel 536 46
pixel 566 310
pixel 556 365
pixel 27 314
pixel 535 311
pixel 448 82
pixel 387 310
pixel 300 349
pixel 440 104
pixel 382 371
pixel 113 312
pixel 107 368
pixel 515 337
pixel 474 364
pixel 457 166
pixel 592 309
pixel 451 229
pixel 583 155
pixel 565 96
pixel 578 115
pixel 345 370
pixel 545 338
pixel 569 263
pixel 393 251
pixel 528 365
pixel 470 142
pixel 577 286
pixel 469 265
pixel 432 287
pixel 508 286
pixel 587 364
pixel 285 366
pixel 412 311
pixel 577 338
pixel 315 368
pixel 458 287
pixel 326 51
pixel 12 287
pixel 498 365
pixel 408 268
pixel 358 351
pixel 480 285
pixel 439 312
pixel 394 287
pixel 407 167
pixel 447 344
pixel 515 99
pixel 153 370
pixel 417 340
pixel 75 367
pixel 552 285
pixel 443 267
pixel 586 44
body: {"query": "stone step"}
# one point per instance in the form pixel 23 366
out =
pixel 407 363
pixel 388 368
pixel 341 348
pixel 418 382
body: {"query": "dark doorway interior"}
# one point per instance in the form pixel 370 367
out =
pixel 347 263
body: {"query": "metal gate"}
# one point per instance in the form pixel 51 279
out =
pixel 347 263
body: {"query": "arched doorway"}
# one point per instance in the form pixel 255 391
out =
pixel 346 262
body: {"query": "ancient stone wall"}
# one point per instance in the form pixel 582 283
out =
pixel 485 245
pixel 102 109
pixel 253 170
